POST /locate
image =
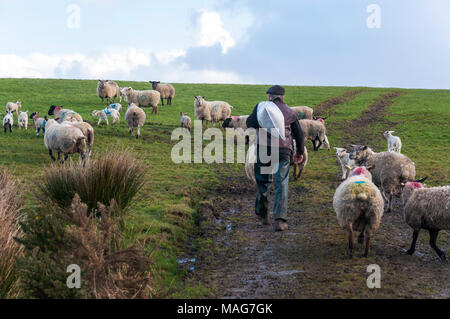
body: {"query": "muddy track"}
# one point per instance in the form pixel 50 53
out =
pixel 247 260
pixel 322 108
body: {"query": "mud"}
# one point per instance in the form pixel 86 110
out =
pixel 322 108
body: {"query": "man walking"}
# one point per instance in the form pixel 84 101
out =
pixel 266 145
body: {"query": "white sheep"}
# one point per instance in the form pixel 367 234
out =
pixel 88 132
pixel 315 131
pixel 135 118
pixel 358 205
pixel 211 111
pixel 166 90
pixel 23 120
pixel 108 90
pixel 303 112
pixel 8 121
pixel 394 142
pixel 13 107
pixel 64 138
pixel 103 115
pixel 39 122
pixel 185 121
pixel 147 98
pixel 344 159
pixel 427 208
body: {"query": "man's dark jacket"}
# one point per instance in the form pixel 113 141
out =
pixel 292 131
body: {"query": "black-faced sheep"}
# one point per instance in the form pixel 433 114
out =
pixel 62 115
pixel 39 122
pixel 167 91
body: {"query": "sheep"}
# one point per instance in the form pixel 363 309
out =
pixel 39 122
pixel 103 115
pixel 185 121
pixel 108 90
pixel 394 142
pixel 344 158
pixel 13 107
pixel 8 121
pixel 250 161
pixel 143 98
pixel 88 132
pixel 303 112
pixel 236 122
pixel 167 91
pixel 23 120
pixel 64 138
pixel 213 112
pixel 115 106
pixel 391 170
pixel 427 208
pixel 62 115
pixel 358 205
pixel 315 131
pixel 122 94
pixel 135 117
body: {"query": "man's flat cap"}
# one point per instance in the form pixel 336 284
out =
pixel 276 90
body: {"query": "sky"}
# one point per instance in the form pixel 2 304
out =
pixel 384 43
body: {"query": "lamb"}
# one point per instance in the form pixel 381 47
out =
pixel 39 122
pixel 62 115
pixel 8 121
pixel 185 121
pixel 108 90
pixel 394 142
pixel 427 208
pixel 344 158
pixel 250 161
pixel 391 170
pixel 358 205
pixel 213 112
pixel 103 115
pixel 303 112
pixel 88 132
pixel 167 91
pixel 122 94
pixel 315 131
pixel 13 107
pixel 64 138
pixel 23 120
pixel 143 98
pixel 115 106
pixel 135 117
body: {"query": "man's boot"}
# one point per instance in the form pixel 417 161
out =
pixel 280 225
pixel 264 219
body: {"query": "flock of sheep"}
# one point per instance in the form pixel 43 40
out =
pixel 369 179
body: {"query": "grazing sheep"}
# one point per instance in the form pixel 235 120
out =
pixel 303 112
pixel 167 91
pixel 64 138
pixel 108 90
pixel 391 170
pixel 103 115
pixel 135 117
pixel 8 121
pixel 315 131
pixel 394 142
pixel 122 94
pixel 13 107
pixel 62 115
pixel 250 161
pixel 236 122
pixel 23 120
pixel 88 132
pixel 115 106
pixel 147 98
pixel 213 112
pixel 358 205
pixel 427 208
pixel 39 122
pixel 344 158
pixel 185 121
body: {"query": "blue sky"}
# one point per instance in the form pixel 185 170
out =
pixel 303 42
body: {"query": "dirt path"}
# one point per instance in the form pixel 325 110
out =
pixel 322 108
pixel 247 260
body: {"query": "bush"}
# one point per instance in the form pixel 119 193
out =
pixel 115 175
pixel 10 213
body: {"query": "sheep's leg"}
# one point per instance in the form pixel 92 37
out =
pixel 59 155
pixel 37 131
pixel 350 240
pixel 138 132
pixel 10 128
pixel 162 102
pixel 51 155
pixel 99 121
pixel 412 249
pixel 106 120
pixel 366 235
pixel 4 127
pixel 389 203
pixel 361 237
pixel 64 158
pixel 433 237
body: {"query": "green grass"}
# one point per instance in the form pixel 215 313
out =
pixel 163 216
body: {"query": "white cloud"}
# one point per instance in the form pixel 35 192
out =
pixel 209 30
pixel 167 57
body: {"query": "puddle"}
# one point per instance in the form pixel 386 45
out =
pixel 284 272
pixel 186 260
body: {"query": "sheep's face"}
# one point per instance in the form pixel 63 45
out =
pixel 101 84
pixel 19 104
pixel 154 84
pixel 33 115
pixel 227 123
pixel 408 190
pixel 94 113
pixel 359 153
pixel 340 152
pixel 199 100
pixel 51 111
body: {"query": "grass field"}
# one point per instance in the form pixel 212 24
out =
pixel 164 216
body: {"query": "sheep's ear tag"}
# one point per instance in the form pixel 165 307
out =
pixel 348 167
pixel 403 184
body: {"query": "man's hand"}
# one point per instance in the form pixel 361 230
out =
pixel 298 159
